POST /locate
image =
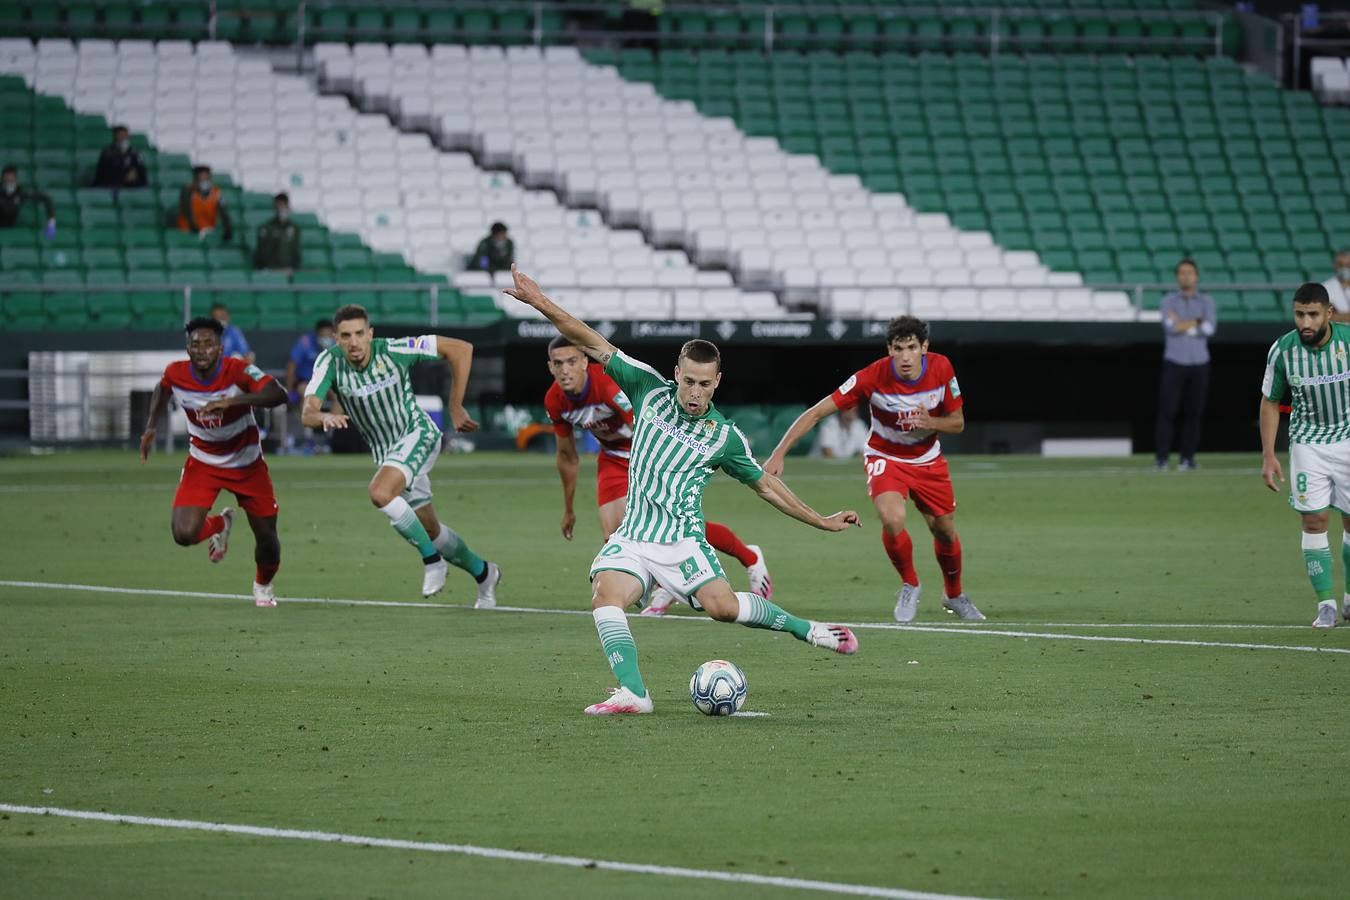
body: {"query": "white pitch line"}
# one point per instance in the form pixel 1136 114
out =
pixel 574 862
pixel 1102 638
pixel 972 629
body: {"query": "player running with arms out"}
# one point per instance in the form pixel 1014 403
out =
pixel 583 396
pixel 224 451
pixel 679 440
pixel 372 377
pixel 914 397
pixel 1313 363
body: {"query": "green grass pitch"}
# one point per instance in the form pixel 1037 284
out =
pixel 988 765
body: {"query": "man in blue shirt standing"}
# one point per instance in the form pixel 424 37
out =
pixel 1188 321
pixel 232 342
pixel 299 370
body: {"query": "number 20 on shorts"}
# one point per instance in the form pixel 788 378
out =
pixel 875 467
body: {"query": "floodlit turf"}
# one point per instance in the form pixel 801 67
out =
pixel 959 763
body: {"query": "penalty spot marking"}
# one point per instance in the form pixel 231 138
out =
pixel 869 626
pixel 574 862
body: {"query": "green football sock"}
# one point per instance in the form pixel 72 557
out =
pixel 452 547
pixel 406 523
pixel 620 650
pixel 1317 557
pixel 756 612
pixel 1345 560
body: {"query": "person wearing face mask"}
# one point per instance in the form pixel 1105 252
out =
pixel 13 198
pixel 496 252
pixel 278 243
pixel 1338 287
pixel 200 206
pixel 120 165
pixel 299 370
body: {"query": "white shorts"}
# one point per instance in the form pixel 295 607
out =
pixel 415 456
pixel 681 568
pixel 1319 477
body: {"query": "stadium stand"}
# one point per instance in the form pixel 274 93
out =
pixel 699 183
pixel 1025 26
pixel 359 174
pixel 1112 167
pixel 696 182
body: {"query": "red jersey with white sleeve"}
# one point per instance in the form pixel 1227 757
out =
pixel 894 402
pixel 228 438
pixel 602 407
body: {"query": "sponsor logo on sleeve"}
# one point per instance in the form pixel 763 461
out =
pixel 848 385
pixel 253 372
pixel 954 387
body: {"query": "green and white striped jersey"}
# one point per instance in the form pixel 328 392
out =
pixel 378 398
pixel 674 456
pixel 1319 380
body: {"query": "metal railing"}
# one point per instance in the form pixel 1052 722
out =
pixel 1301 27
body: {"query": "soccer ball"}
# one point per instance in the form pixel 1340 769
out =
pixel 717 688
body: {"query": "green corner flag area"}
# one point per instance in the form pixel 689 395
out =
pixel 1144 713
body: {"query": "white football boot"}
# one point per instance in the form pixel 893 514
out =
pixel 487 591
pixel 433 577
pixel 621 701
pixel 218 543
pixel 263 595
pixel 760 582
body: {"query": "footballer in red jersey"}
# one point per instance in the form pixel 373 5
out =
pixel 583 397
pixel 913 397
pixel 224 451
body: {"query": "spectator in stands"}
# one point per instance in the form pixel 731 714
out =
pixel 200 206
pixel 496 252
pixel 13 197
pixel 299 369
pixel 278 244
pixel 842 436
pixel 1188 321
pixel 120 165
pixel 1338 286
pixel 232 342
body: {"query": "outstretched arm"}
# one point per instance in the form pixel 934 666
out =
pixel 798 430
pixel 272 394
pixel 568 465
pixel 459 354
pixel 591 342
pixel 771 489
pixel 159 400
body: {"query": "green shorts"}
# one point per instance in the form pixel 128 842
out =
pixel 414 456
pixel 681 567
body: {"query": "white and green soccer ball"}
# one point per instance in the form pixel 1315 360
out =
pixel 717 688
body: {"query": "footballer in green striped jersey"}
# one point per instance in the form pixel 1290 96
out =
pixel 679 440
pixel 372 377
pixel 1312 362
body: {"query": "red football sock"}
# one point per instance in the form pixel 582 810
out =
pixel 901 551
pixel 266 573
pixel 724 539
pixel 212 525
pixel 949 560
